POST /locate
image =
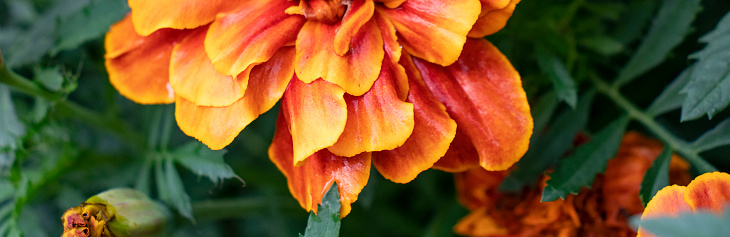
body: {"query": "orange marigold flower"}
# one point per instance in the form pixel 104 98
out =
pixel 709 191
pixel 399 83
pixel 602 210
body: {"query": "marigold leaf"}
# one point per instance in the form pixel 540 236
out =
pixel 671 24
pixel 562 82
pixel 706 93
pixel 718 136
pixel 89 22
pixel 579 169
pixel 203 161
pixel 656 177
pixel 327 222
pixel 696 224
pixel 11 129
pixel 671 98
pixel 51 78
pixel 178 197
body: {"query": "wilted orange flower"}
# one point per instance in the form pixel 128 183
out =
pixel 709 191
pixel 392 81
pixel 602 210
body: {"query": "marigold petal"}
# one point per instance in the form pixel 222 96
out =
pixel 316 114
pixel 709 191
pixel 484 94
pixel 218 126
pixel 478 187
pixel 309 182
pixel 493 18
pixel 433 131
pixel 355 72
pixel 139 70
pixel 250 35
pixel 391 3
pixel 480 223
pixel 434 30
pixel 149 16
pixel 358 13
pixel 393 52
pixel 461 156
pixel 194 78
pixel 669 201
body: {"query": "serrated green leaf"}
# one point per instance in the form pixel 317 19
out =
pixel 696 224
pixel 51 78
pixel 546 149
pixel 580 169
pixel 178 197
pixel 11 129
pixel 88 23
pixel 656 177
pixel 710 77
pixel 671 98
pixel 562 82
pixel 201 160
pixel 326 223
pixel 718 136
pixel 671 24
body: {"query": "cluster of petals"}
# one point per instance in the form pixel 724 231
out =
pixel 406 85
pixel 708 192
pixel 602 210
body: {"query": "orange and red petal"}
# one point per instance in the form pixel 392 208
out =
pixel 709 191
pixel 250 35
pixel 140 70
pixel 377 120
pixel 479 222
pixel 316 114
pixel 493 18
pixel 434 30
pixel 359 12
pixel 355 72
pixel 669 201
pixel 309 182
pixel 461 156
pixel 218 126
pixel 484 94
pixel 194 78
pixel 149 16
pixel 433 131
pixel 121 38
pixel 393 54
pixel 391 3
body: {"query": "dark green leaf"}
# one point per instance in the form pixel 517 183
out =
pixel 668 29
pixel 51 78
pixel 695 224
pixel 710 77
pixel 179 198
pixel 546 149
pixel 543 110
pixel 633 22
pixel 11 129
pixel 656 177
pixel 671 98
pixel 562 82
pixel 201 160
pixel 326 223
pixel 88 23
pixel 718 136
pixel 579 169
pixel 603 45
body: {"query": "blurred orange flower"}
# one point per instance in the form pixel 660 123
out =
pixel 709 191
pixel 386 81
pixel 600 211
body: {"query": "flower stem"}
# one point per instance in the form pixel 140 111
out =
pixel 648 121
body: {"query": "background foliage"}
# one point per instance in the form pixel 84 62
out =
pixel 594 67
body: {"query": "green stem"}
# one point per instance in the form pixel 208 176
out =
pixel 676 143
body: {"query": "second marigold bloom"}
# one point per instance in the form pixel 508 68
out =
pixel 405 84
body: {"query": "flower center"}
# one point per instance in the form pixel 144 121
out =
pixel 326 11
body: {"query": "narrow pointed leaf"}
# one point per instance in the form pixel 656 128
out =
pixel 656 177
pixel 178 197
pixel 326 223
pixel 579 169
pixel 562 82
pixel 672 23
pixel 203 161
pixel 11 129
pixel 718 136
pixel 695 224
pixel 671 98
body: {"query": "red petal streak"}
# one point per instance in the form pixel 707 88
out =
pixel 193 77
pixel 149 16
pixel 669 201
pixel 357 15
pixel 355 72
pixel 493 18
pixel 139 69
pixel 250 35
pixel 709 191
pixel 484 94
pixel 310 182
pixel 218 126
pixel 432 133
pixel 434 30
pixel 377 120
pixel 316 114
